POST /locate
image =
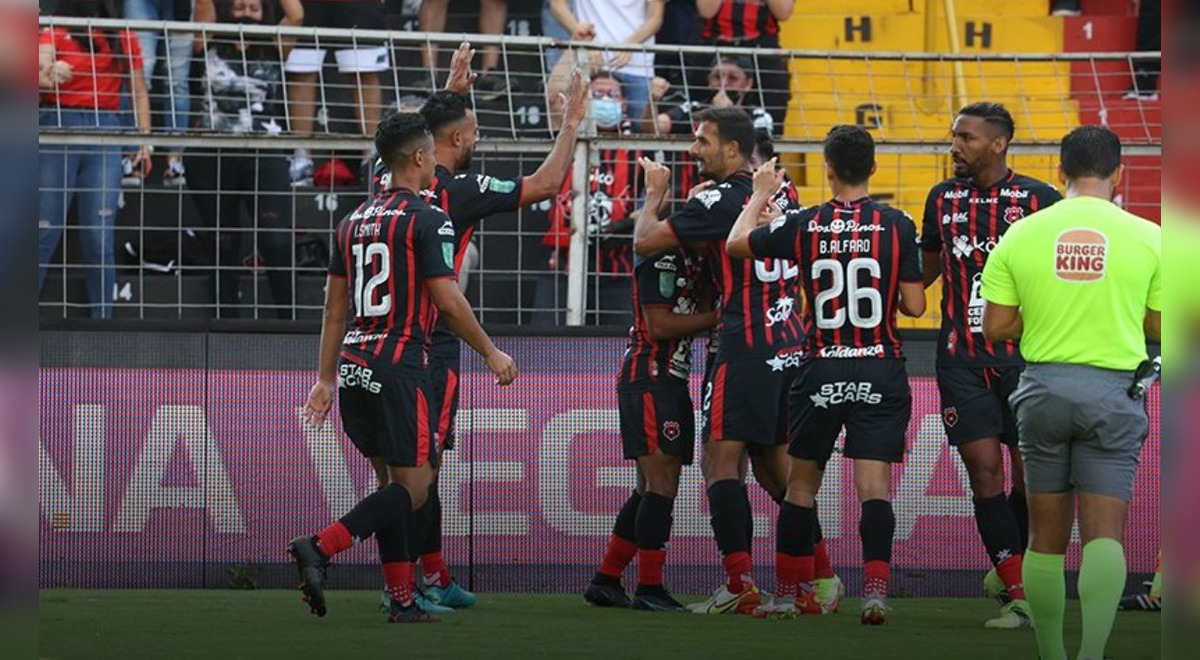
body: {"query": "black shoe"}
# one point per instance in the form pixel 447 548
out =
pixel 490 86
pixel 1140 603
pixel 655 599
pixel 410 613
pixel 606 595
pixel 311 564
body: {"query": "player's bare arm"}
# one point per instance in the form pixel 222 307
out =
pixel 333 329
pixel 461 77
pixel 547 180
pixel 665 324
pixel 1153 325
pixel 651 235
pixel 931 266
pixel 912 298
pixel 1001 322
pixel 457 311
pixel 766 182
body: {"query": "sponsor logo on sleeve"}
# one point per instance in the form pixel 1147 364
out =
pixel 447 229
pixel 448 254
pixel 708 197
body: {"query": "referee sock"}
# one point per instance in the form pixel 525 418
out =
pixel 1101 582
pixel 794 562
pixel 622 545
pixel 1020 511
pixel 726 504
pixel 1046 591
pixel 653 531
pixel 998 529
pixel 380 509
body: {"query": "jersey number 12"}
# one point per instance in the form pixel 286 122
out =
pixel 364 292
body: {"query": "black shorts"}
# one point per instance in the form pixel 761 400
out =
pixel 745 399
pixel 975 403
pixel 387 413
pixel 443 374
pixel 658 417
pixel 871 398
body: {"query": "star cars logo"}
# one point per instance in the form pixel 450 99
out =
pixel 353 375
pixel 840 392
pixel 786 359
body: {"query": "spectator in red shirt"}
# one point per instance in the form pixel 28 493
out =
pixel 82 75
pixel 752 24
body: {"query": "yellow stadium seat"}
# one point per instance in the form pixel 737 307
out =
pixel 804 8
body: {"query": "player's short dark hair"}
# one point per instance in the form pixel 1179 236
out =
pixel 850 151
pixel 398 134
pixel 764 145
pixel 993 113
pixel 606 73
pixel 1090 151
pixel 444 108
pixel 733 125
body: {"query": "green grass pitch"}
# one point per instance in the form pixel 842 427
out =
pixel 275 624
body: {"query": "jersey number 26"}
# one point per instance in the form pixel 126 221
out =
pixel 845 279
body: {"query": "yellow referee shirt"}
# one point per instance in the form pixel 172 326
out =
pixel 1083 272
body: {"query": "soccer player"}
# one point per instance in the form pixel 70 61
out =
pixel 657 425
pixel 392 268
pixel 761 341
pixel 467 199
pixel 1080 284
pixel 860 263
pixel 964 219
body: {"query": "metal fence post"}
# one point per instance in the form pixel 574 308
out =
pixel 577 250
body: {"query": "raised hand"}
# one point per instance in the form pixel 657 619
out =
pixel 766 179
pixel 461 77
pixel 574 100
pixel 658 176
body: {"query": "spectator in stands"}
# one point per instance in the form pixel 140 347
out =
pixel 730 82
pixel 555 30
pixel 492 16
pixel 360 62
pixel 1149 39
pixel 614 190
pixel 752 24
pixel 83 75
pixel 629 22
pixel 242 92
pixel 175 89
pixel 1066 8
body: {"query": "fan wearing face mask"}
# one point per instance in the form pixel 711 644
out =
pixel 614 189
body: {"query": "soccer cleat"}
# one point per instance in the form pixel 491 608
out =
pixel 452 596
pixel 410 613
pixel 606 595
pixel 778 607
pixel 994 587
pixel 1140 603
pixel 829 592
pixel 725 602
pixel 874 609
pixel 310 564
pixel 385 604
pixel 1013 614
pixel 655 599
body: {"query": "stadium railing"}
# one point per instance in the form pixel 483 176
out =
pixel 906 99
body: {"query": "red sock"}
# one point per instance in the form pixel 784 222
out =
pixel 737 569
pixel 334 539
pixel 876 576
pixel 433 566
pixel 823 567
pixel 790 572
pixel 1010 571
pixel 650 567
pixel 398 580
pixel 617 556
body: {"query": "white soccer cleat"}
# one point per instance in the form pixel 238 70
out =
pixel 782 607
pixel 1013 615
pixel 874 609
pixel 994 587
pixel 725 602
pixel 830 592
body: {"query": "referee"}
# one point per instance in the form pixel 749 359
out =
pixel 1079 284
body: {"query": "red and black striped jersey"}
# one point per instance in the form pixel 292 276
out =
pixel 386 250
pixel 665 280
pixel 757 296
pixel 852 258
pixel 467 198
pixel 614 187
pixel 739 22
pixel 964 222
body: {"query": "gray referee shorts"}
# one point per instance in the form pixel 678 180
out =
pixel 1078 429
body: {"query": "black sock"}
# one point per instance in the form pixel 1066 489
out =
pixel 394 542
pixel 727 507
pixel 1020 511
pixel 378 510
pixel 749 513
pixel 433 534
pixel 654 521
pixel 794 530
pixel 626 523
pixel 818 535
pixel 876 528
pixel 418 530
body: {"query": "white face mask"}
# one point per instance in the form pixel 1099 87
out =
pixel 607 112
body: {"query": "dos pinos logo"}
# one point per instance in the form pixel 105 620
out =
pixel 1080 255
